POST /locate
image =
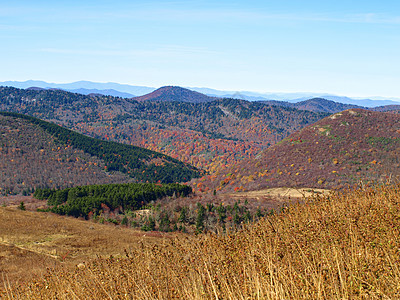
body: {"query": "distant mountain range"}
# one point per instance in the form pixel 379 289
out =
pixel 129 91
pixel 208 135
pixel 297 97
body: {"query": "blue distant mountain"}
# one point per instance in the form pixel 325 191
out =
pixel 109 92
pixel 86 87
pixel 297 97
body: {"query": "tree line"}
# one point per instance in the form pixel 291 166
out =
pixel 80 201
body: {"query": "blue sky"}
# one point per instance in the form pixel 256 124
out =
pixel 342 47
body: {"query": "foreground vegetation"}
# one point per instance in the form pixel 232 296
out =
pixel 332 247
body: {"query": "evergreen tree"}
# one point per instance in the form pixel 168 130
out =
pixel 21 206
pixel 200 218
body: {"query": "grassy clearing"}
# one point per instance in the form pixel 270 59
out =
pixel 280 193
pixel 331 247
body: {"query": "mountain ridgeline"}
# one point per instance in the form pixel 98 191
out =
pixel 129 161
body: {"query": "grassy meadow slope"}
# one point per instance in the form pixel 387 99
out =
pixel 31 242
pixel 335 247
pixel 343 149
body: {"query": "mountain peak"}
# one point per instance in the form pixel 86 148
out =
pixel 175 93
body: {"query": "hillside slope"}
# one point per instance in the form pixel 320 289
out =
pixel 35 153
pixel 343 149
pixel 32 242
pixel 31 158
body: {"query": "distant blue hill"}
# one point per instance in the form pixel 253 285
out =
pixel 296 97
pixel 109 92
pixel 85 87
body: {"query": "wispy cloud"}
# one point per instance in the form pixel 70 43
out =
pixel 156 52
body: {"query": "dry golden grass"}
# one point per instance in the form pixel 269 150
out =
pixel 332 247
pixel 31 242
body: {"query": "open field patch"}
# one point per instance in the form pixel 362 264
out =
pixel 30 242
pixel 281 193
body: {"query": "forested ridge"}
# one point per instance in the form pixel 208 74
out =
pixel 211 135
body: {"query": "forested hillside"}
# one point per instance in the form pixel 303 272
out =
pixel 175 93
pixel 35 153
pixel 31 157
pixel 209 135
pixel 352 147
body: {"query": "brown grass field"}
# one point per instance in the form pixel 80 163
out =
pixel 32 242
pixel 342 246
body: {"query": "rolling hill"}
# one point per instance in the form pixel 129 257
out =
pixel 343 149
pixel 35 153
pixel 392 108
pixel 175 93
pixel 323 105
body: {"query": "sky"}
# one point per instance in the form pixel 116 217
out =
pixel 340 47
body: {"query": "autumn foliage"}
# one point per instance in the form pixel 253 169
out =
pixel 345 149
